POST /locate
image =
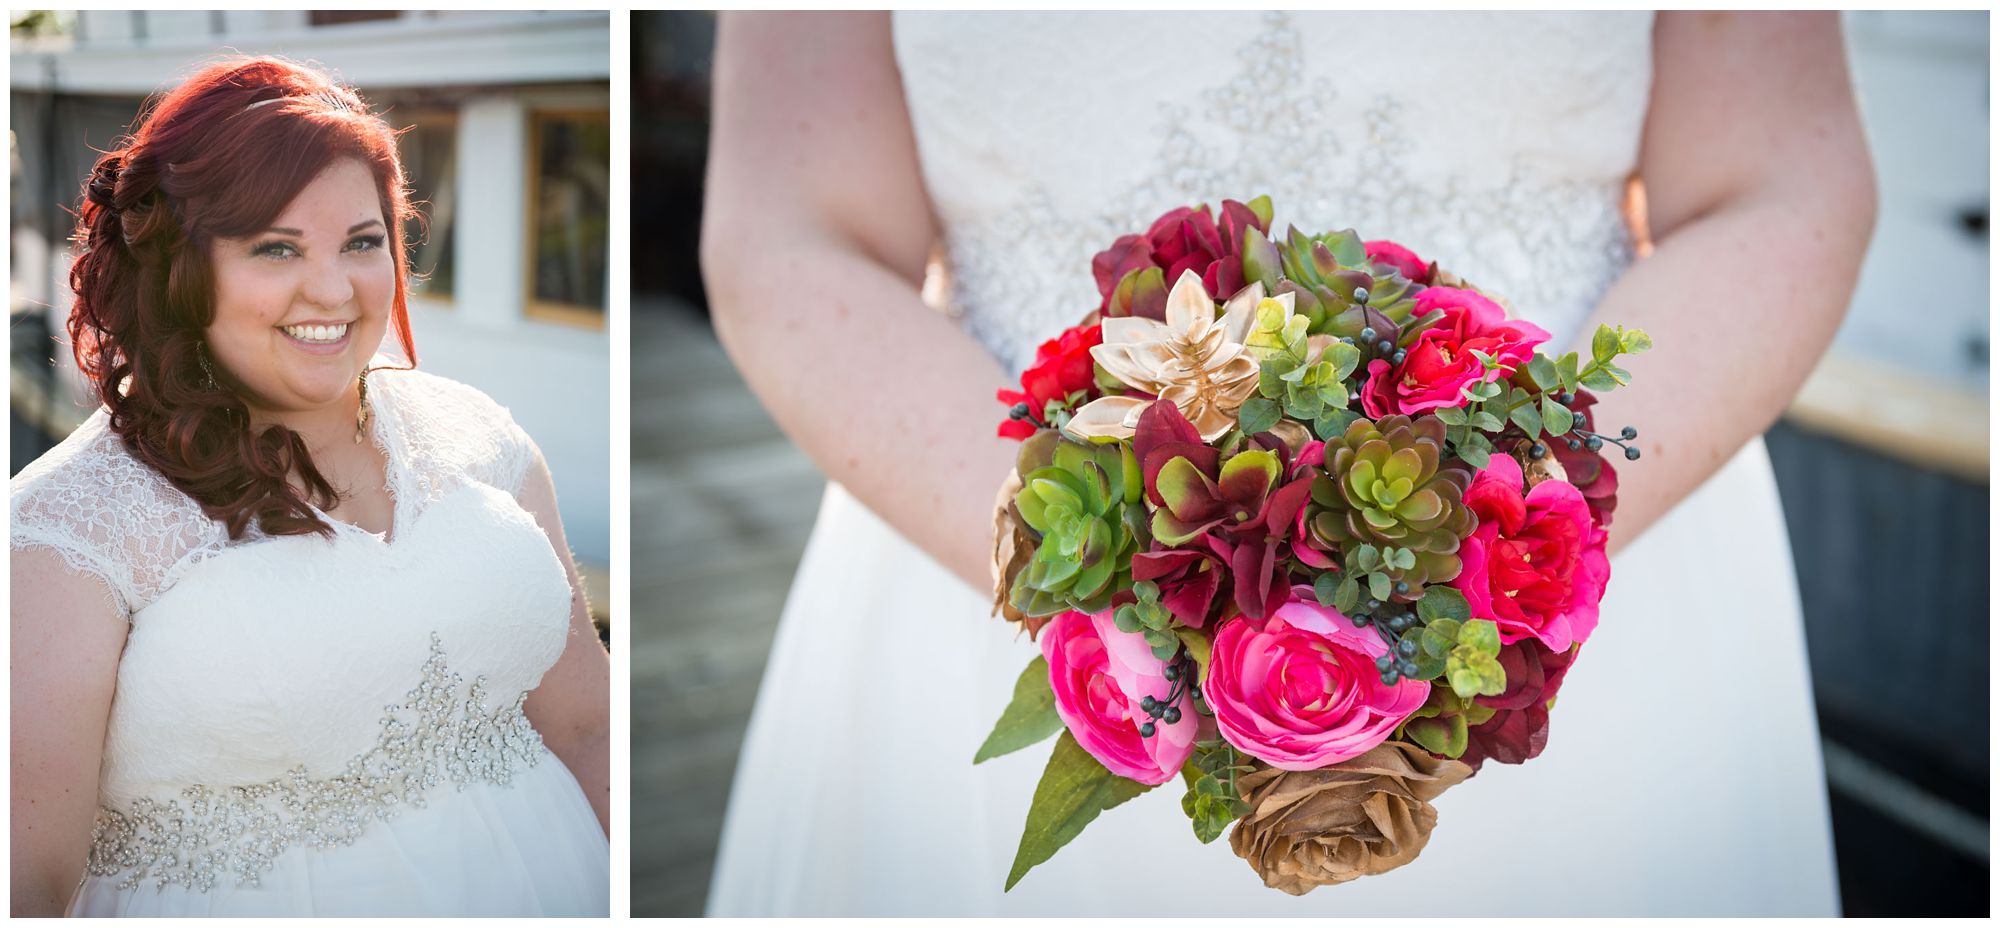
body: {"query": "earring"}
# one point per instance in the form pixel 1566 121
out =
pixel 207 372
pixel 361 415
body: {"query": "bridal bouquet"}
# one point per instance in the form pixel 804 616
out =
pixel 1321 550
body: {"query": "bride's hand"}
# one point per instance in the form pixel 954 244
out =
pixel 815 237
pixel 1761 201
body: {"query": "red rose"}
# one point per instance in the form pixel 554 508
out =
pixel 1535 566
pixel 1440 363
pixel 1062 366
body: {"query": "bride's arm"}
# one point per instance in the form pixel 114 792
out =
pixel 1761 201
pixel 815 235
pixel 65 639
pixel 571 707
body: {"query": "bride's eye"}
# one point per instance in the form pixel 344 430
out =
pixel 274 250
pixel 365 243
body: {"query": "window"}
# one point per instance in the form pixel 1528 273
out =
pixel 569 192
pixel 430 159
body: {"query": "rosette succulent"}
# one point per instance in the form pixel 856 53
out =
pixel 1084 502
pixel 1326 272
pixel 1385 484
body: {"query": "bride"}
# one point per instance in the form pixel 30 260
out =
pixel 295 632
pixel 1683 772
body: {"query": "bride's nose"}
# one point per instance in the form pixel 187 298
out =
pixel 326 285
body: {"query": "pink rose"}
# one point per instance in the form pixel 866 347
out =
pixel 1405 261
pixel 1100 675
pixel 1536 564
pixel 1303 692
pixel 1440 363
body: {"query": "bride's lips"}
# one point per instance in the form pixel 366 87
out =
pixel 321 337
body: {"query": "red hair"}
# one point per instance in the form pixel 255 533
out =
pixel 220 156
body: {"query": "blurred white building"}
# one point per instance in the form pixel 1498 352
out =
pixel 508 147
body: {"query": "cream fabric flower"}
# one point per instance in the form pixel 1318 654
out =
pixel 1194 359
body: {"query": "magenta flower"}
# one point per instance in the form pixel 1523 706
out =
pixel 1303 692
pixel 1536 564
pixel 1100 676
pixel 1440 363
pixel 1405 261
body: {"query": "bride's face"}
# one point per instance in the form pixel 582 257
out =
pixel 301 307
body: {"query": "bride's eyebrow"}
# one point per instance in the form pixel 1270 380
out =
pixel 281 230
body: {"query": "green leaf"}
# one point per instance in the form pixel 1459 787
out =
pixel 1073 790
pixel 1334 422
pixel 1400 558
pixel 1439 638
pixel 1325 588
pixel 1257 415
pixel 1429 666
pixel 1525 417
pixel 1378 586
pixel 1566 366
pixel 1475 449
pixel 1487 421
pixel 1598 379
pixel 1348 596
pixel 1367 558
pixel 1480 636
pixel 1634 341
pixel 1126 618
pixel 1619 374
pixel 1447 735
pixel 1604 344
pixel 1344 358
pixel 1450 415
pixel 1543 372
pixel 1028 719
pixel 1442 602
pixel 1475 676
pixel 1555 416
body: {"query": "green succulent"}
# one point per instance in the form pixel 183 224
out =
pixel 1323 272
pixel 1384 485
pixel 1085 503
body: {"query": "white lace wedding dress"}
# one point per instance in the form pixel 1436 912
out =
pixel 1683 770
pixel 305 726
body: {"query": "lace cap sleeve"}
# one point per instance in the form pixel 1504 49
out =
pixel 108 515
pixel 449 427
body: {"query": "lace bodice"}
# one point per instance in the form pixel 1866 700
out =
pixel 285 692
pixel 114 518
pixel 1498 144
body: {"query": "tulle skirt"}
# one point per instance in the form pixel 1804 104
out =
pixel 1682 773
pixel 532 847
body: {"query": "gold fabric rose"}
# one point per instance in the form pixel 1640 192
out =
pixel 1367 815
pixel 1194 359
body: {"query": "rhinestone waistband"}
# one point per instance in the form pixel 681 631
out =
pixel 435 735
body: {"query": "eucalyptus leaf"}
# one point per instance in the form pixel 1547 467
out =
pixel 1566 366
pixel 1604 344
pixel 1634 341
pixel 1543 372
pixel 1348 596
pixel 1257 415
pixel 1028 719
pixel 1487 421
pixel 1441 602
pixel 1450 415
pixel 1525 417
pixel 1326 587
pixel 1378 586
pixel 1074 789
pixel 1599 379
pixel 1555 416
